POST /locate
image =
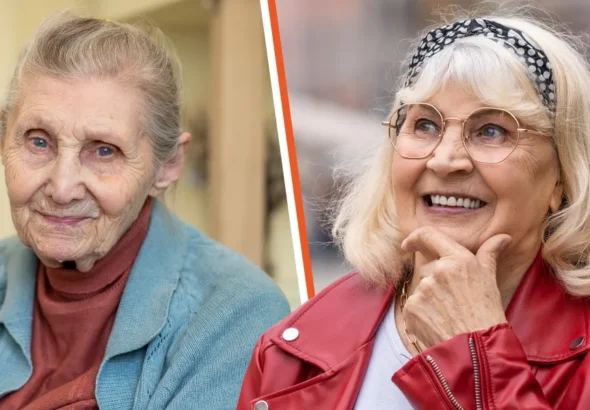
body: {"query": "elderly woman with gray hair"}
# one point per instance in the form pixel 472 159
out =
pixel 106 299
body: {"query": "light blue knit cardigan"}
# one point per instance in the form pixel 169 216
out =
pixel 184 332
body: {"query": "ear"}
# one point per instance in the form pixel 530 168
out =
pixel 171 171
pixel 556 197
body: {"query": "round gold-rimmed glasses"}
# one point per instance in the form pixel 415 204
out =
pixel 489 134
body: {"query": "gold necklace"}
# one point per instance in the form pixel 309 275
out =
pixel 403 299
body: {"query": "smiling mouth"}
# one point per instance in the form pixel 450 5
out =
pixel 64 220
pixel 453 202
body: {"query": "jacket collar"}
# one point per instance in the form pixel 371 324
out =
pixel 334 324
pixel 349 313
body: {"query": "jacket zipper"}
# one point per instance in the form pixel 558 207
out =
pixel 475 361
pixel 444 383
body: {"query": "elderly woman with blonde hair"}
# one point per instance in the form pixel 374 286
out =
pixel 469 231
pixel 106 299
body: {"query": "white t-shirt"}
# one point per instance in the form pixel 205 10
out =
pixel 389 354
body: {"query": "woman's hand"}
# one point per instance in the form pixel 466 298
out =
pixel 457 290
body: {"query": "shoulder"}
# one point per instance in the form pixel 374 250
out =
pixel 221 306
pixel 220 293
pixel 202 269
pixel 348 296
pixel 10 245
pixel 327 329
pixel 214 270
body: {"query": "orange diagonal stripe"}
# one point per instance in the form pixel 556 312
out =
pixel 274 22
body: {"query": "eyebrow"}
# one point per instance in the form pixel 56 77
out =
pixel 34 122
pixel 102 133
pixel 90 132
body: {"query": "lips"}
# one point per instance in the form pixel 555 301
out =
pixel 68 220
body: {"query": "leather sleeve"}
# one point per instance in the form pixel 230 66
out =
pixel 489 370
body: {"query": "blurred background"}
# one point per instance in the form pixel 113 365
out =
pixel 232 188
pixel 342 59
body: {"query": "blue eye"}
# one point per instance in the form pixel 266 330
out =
pixel 424 126
pixel 492 131
pixel 39 143
pixel 105 151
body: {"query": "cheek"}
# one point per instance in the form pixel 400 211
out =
pixel 119 195
pixel 523 191
pixel 123 191
pixel 22 181
pixel 405 174
pixel 512 191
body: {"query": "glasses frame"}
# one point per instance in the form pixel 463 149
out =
pixel 464 137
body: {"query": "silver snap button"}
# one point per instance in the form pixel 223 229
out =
pixel 577 342
pixel 290 334
pixel 261 405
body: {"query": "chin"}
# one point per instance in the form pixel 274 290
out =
pixel 57 250
pixel 472 242
pixel 463 235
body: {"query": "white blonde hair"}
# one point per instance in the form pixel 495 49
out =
pixel 365 225
pixel 72 48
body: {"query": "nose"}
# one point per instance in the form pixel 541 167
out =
pixel 64 183
pixel 450 155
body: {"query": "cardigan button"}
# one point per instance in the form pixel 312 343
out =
pixel 261 405
pixel 290 334
pixel 577 342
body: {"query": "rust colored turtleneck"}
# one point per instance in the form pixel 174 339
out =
pixel 72 320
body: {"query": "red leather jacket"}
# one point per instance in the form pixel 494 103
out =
pixel 537 361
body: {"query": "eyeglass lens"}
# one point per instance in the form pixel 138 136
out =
pixel 490 134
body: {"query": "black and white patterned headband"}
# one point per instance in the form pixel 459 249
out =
pixel 526 49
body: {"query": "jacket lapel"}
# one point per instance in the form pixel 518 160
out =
pixel 336 331
pixel 334 389
pixel 344 318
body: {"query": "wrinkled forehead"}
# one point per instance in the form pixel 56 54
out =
pixel 94 106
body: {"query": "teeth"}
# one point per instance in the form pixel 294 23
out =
pixel 467 203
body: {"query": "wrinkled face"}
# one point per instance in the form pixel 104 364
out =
pixel 78 170
pixel 513 196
